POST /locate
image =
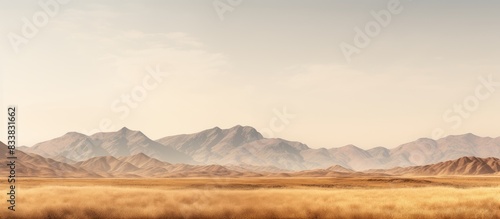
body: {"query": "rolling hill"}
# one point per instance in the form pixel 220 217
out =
pixel 33 165
pixel 461 166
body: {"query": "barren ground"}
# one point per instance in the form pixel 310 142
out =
pixel 380 197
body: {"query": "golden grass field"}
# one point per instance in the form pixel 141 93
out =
pixel 382 197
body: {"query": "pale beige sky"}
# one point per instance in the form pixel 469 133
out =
pixel 77 70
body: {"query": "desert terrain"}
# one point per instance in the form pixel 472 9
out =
pixel 125 174
pixel 240 109
pixel 259 197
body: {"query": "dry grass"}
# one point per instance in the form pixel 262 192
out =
pixel 138 200
pixel 268 182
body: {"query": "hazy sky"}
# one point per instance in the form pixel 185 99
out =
pixel 408 80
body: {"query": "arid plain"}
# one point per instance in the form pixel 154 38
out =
pixel 125 174
pixel 259 197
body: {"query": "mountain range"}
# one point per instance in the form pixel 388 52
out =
pixel 78 147
pixel 242 146
pixel 141 165
pixel 37 166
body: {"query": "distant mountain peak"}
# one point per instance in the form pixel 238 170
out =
pixel 236 127
pixel 128 132
pixel 215 129
pixel 140 155
pixel 124 129
pixel 467 136
pixel 75 134
pixel 424 140
pixel 249 130
pixel 471 136
pixel 351 147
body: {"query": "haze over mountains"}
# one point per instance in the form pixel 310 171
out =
pixel 78 147
pixel 141 165
pixel 37 166
pixel 243 145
